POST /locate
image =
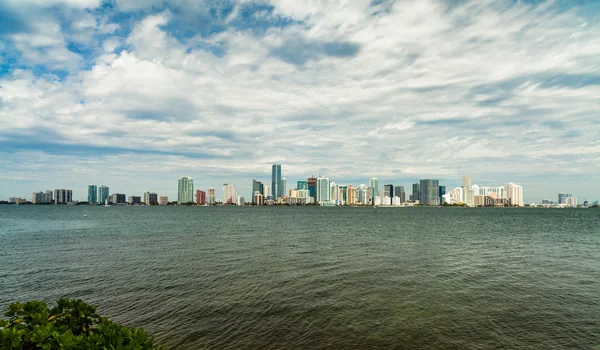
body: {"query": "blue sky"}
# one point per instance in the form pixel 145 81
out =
pixel 134 94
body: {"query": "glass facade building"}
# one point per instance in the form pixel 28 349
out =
pixel 92 194
pixel 103 194
pixel 276 186
pixel 429 192
pixel 185 190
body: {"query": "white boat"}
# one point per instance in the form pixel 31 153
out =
pixel 106 203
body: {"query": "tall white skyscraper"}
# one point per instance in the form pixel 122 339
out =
pixel 229 194
pixel 514 193
pixel 469 195
pixel 361 194
pixel 185 190
pixel 283 187
pixel 323 190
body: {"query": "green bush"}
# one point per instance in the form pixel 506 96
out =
pixel 72 324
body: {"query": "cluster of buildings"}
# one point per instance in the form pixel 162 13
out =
pixel 315 191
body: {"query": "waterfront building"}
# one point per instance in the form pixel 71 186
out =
pixel 323 189
pixel 276 185
pixel 361 195
pixel 342 194
pixel 117 198
pixel 302 185
pixel 429 192
pixel 399 191
pixel 374 184
pixel 63 196
pixel 388 191
pixel 150 198
pixel 283 186
pixel 416 192
pixel 333 193
pixel 303 193
pixel 103 194
pixel 20 200
pixel 369 196
pixel 257 186
pixel 311 182
pixel 386 201
pixel 163 200
pixel 200 197
pixel 571 201
pixel 41 197
pixel 229 194
pixel 351 195
pixel 266 192
pixel 185 190
pixel 377 201
pixel 396 201
pixel 211 196
pixel 92 194
pixel 499 191
pixel 241 201
pixel 562 197
pixel 442 192
pixel 134 200
pixel 469 195
pixel 514 194
pixel 259 199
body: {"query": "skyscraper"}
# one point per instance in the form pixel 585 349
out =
pixel 388 191
pixel 468 191
pixel 92 194
pixel 257 186
pixel 276 189
pixel 185 190
pixel 103 194
pixel 200 197
pixel 266 191
pixel 374 184
pixel 150 198
pixel 63 196
pixel 312 186
pixel 514 194
pixel 562 197
pixel 416 192
pixel 229 194
pixel 351 195
pixel 302 185
pixel 429 192
pixel 211 196
pixel 283 187
pixel 399 192
pixel 361 194
pixel 442 191
pixel 323 189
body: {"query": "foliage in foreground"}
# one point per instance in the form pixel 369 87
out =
pixel 72 324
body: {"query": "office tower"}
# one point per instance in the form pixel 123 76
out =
pixel 468 192
pixel 562 197
pixel 276 189
pixel 361 194
pixel 134 200
pixel 185 190
pixel 323 189
pixel 342 194
pixel 200 197
pixel 388 191
pixel 211 196
pixel 92 194
pixel 416 193
pixel 229 194
pixel 374 184
pixel 399 192
pixel 63 196
pixel 333 192
pixel 311 182
pixel 283 187
pixel 442 192
pixel 163 200
pixel 257 186
pixel 370 196
pixel 429 192
pixel 103 194
pixel 514 194
pixel 302 185
pixel 351 195
pixel 150 198
pixel 266 191
pixel 117 198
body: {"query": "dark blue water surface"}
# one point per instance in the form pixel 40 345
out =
pixel 317 278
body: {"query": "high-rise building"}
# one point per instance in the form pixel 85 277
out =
pixel 374 184
pixel 342 196
pixel 163 200
pixel 229 194
pixel 283 186
pixel 134 200
pixel 241 201
pixel 259 199
pixel 302 185
pixel 150 198
pixel 311 182
pixel 514 194
pixel 257 186
pixel 370 196
pixel 276 189
pixel 468 192
pixel 562 197
pixel 266 192
pixel 211 196
pixel 416 192
pixel 429 192
pixel 571 201
pixel 361 194
pixel 92 194
pixel 442 192
pixel 117 198
pixel 185 190
pixel 388 191
pixel 63 196
pixel 351 195
pixel 41 197
pixel 200 197
pixel 333 192
pixel 103 194
pixel 323 190
pixel 399 192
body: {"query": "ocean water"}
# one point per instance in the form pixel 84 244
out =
pixel 317 278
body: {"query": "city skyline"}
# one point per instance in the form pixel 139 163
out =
pixel 135 94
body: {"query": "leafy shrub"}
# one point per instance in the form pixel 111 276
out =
pixel 72 324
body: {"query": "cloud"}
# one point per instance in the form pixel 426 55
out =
pixel 393 89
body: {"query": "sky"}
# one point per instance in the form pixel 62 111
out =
pixel 134 94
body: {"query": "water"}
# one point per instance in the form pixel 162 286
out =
pixel 317 278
